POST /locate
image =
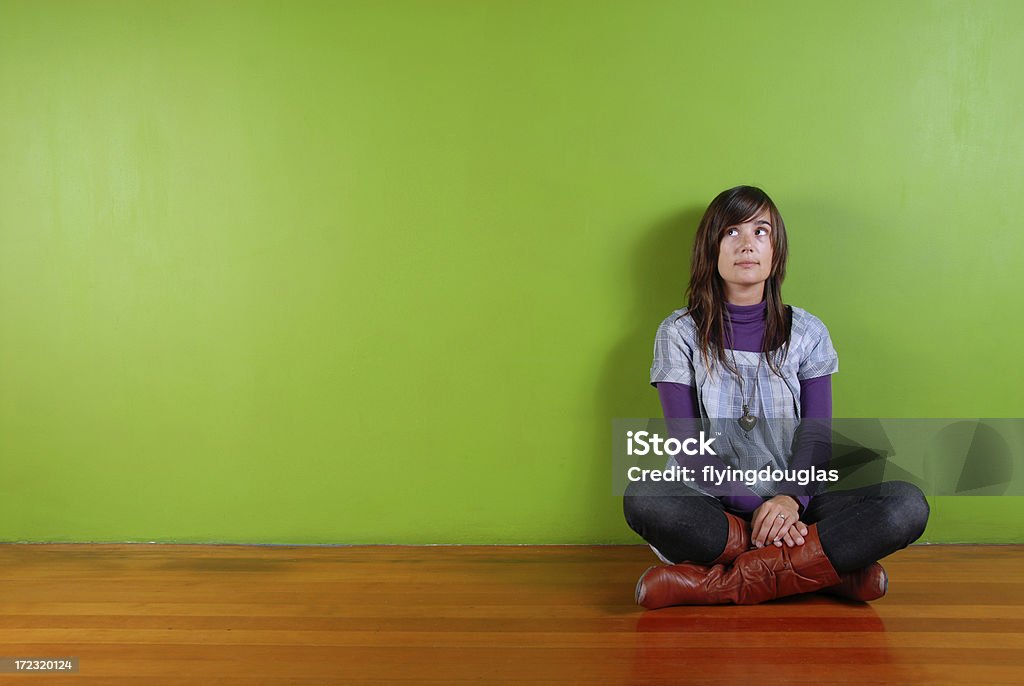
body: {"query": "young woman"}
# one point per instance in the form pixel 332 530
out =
pixel 758 373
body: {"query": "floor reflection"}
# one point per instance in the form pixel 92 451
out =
pixel 812 637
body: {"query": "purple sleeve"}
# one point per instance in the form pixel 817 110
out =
pixel 816 397
pixel 679 401
pixel 812 444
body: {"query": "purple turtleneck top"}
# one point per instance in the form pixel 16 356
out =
pixel 680 401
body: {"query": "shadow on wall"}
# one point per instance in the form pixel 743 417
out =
pixel 659 268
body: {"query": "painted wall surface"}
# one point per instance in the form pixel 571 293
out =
pixel 384 272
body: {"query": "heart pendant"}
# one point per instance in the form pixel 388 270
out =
pixel 747 422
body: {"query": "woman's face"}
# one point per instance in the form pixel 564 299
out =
pixel 745 253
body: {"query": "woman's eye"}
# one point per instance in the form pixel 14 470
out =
pixel 765 231
pixel 731 232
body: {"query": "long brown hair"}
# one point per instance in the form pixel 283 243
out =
pixel 706 292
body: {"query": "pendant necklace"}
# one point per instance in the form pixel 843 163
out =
pixel 748 421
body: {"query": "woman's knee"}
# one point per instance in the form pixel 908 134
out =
pixel 908 510
pixel 642 505
pixel 655 506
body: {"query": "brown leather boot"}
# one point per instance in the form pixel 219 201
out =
pixel 866 584
pixel 754 577
pixel 738 541
pixel 869 583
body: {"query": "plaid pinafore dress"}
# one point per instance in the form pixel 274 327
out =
pixel 677 359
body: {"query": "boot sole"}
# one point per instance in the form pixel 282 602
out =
pixel 638 594
pixel 880 590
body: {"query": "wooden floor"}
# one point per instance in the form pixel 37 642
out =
pixel 182 614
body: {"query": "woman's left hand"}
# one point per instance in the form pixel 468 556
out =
pixel 772 519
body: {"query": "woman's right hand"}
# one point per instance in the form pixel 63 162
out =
pixel 793 535
pixel 773 519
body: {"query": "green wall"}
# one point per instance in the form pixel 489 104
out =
pixel 384 272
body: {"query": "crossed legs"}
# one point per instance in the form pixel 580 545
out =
pixel 850 531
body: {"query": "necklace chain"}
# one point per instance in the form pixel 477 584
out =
pixel 746 420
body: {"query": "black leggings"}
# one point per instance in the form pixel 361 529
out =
pixel 856 527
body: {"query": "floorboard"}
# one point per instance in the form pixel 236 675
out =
pixel 245 615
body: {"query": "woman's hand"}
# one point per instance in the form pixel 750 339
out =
pixel 767 526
